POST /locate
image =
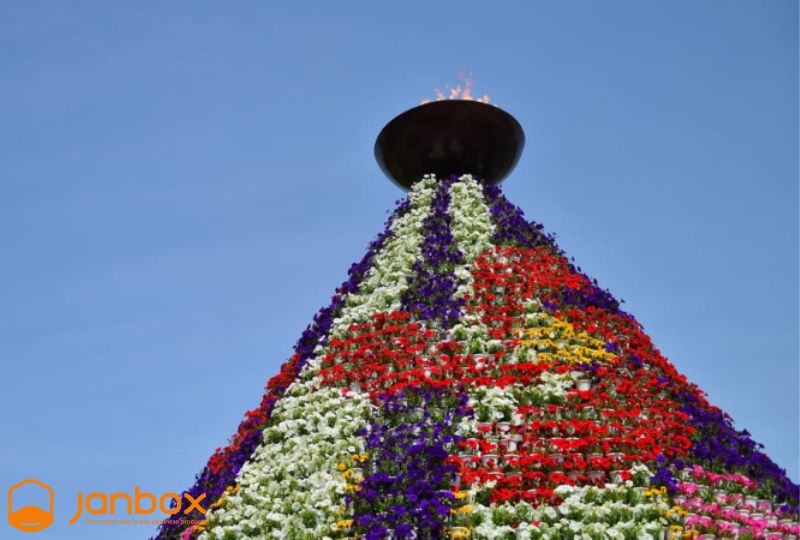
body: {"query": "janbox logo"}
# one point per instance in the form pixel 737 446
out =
pixel 103 503
pixel 29 518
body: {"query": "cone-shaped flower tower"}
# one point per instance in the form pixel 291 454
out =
pixel 468 381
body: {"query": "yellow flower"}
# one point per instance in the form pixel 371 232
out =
pixel 655 492
pixel 341 466
pixel 219 502
pixel 680 510
pixel 564 343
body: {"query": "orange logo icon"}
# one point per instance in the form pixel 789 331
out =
pixel 30 518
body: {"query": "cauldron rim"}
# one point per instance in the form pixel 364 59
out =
pixel 449 137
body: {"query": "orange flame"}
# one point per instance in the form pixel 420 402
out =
pixel 458 92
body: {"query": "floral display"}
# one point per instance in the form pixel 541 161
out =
pixel 469 381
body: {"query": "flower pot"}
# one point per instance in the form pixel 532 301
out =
pixel 458 532
pixel 495 476
pixel 489 460
pixel 466 460
pixel 472 443
pixel 596 476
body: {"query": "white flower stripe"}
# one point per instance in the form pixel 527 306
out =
pixel 471 225
pixel 383 286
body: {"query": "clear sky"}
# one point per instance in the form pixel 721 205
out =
pixel 184 184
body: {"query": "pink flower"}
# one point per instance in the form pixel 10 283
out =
pixel 187 533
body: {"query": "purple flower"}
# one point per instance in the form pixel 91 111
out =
pixel 407 488
pixel 432 284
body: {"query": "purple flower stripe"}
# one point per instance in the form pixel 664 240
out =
pixel 511 227
pixel 407 490
pixel 432 285
pixel 213 485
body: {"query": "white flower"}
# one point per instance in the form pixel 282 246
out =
pixel 471 226
pixel 382 287
pixel 293 483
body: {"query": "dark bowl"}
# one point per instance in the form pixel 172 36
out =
pixel 450 137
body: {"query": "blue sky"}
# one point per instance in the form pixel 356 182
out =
pixel 184 184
